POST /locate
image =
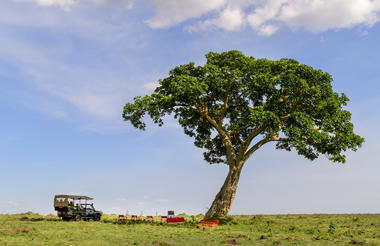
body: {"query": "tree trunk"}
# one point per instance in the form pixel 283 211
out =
pixel 222 203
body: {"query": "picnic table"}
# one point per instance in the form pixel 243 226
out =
pixel 175 219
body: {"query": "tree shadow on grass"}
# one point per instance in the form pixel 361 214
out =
pixel 35 219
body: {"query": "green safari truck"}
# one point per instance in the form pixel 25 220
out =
pixel 73 207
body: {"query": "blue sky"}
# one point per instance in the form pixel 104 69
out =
pixel 67 67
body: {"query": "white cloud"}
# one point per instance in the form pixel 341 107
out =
pixel 323 15
pixel 230 19
pixel 65 4
pixel 172 12
pixel 267 30
pixel 151 86
pixel 314 15
pixel 264 12
pixel 126 4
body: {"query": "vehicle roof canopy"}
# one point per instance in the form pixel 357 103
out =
pixel 74 197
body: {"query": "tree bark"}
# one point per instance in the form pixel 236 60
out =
pixel 223 200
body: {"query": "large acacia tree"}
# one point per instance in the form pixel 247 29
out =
pixel 235 104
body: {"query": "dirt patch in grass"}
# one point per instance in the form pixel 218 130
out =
pixel 23 229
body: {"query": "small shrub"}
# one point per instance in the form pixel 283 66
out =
pixel 269 222
pixel 257 217
pixel 331 229
pixel 357 242
pixel 262 237
pixel 292 228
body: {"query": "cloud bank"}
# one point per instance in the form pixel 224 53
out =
pixel 265 17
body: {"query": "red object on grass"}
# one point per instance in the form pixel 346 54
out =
pixel 121 216
pixel 149 217
pixel 209 223
pixel 134 216
pixel 176 219
pixel 164 217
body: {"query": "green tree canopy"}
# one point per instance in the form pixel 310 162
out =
pixel 234 104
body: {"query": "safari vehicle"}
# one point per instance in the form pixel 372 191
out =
pixel 70 207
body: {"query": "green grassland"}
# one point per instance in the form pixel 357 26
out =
pixel 317 229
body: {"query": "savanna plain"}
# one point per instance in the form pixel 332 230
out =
pixel 314 229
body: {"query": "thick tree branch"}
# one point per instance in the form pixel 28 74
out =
pixel 281 139
pixel 225 136
pixel 261 143
pixel 237 138
pixel 255 147
pixel 242 128
pixel 253 134
pixel 203 105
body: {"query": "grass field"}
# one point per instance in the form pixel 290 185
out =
pixel 318 229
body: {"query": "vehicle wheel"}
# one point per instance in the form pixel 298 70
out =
pixel 78 218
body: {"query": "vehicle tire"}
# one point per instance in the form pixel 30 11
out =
pixel 78 218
